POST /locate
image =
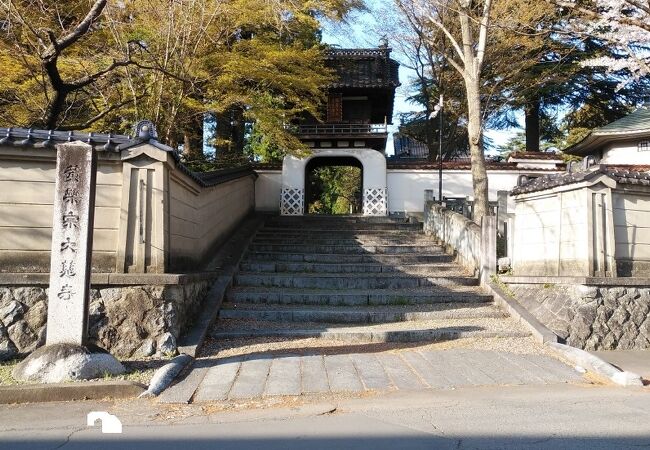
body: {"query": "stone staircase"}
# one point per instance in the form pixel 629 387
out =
pixel 356 280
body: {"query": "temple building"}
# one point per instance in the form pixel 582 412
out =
pixel 354 132
pixel 360 102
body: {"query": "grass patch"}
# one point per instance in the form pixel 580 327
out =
pixel 5 372
pixel 138 371
pixel 504 287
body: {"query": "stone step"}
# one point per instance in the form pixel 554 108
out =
pixel 360 297
pixel 346 226
pixel 345 249
pixel 327 241
pixel 302 267
pixel 299 233
pixel 420 331
pixel 293 221
pixel 345 281
pixel 342 314
pixel 405 258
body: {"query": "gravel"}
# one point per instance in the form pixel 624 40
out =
pixel 482 324
pixel 276 346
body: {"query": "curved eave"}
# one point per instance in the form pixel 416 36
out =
pixel 596 140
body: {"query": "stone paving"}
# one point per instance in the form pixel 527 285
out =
pixel 254 376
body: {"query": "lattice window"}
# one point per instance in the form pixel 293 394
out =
pixel 375 202
pixel 644 146
pixel 292 202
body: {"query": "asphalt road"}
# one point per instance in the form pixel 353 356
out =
pixel 524 417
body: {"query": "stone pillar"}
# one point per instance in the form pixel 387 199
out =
pixel 488 248
pixel 72 235
pixel 428 195
pixel 510 237
pixel 502 210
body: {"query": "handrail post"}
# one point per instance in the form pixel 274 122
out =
pixel 488 248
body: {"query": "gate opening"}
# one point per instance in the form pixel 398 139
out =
pixel 334 185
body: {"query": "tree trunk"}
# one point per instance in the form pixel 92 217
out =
pixel 223 132
pixel 238 130
pixel 475 134
pixel 532 126
pixel 193 138
pixel 54 109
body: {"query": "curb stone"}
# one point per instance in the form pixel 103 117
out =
pixel 164 376
pixel 596 365
pixel 540 332
pixel 62 392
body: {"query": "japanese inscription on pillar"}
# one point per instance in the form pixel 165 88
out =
pixel 72 234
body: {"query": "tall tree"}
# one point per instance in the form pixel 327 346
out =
pixel 105 64
pixel 623 24
pixel 464 24
pixel 58 53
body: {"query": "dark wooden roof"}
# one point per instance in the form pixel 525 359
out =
pixel 108 142
pixel 408 147
pixel 363 68
pixel 621 174
pixel 551 156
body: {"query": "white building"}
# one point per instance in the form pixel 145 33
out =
pixel 593 220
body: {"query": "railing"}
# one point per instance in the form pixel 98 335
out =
pixel 343 128
pixel 474 245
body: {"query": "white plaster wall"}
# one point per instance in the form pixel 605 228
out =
pixel 625 153
pixel 406 187
pixel 632 226
pixel 551 234
pixel 374 167
pixel 536 236
pixel 268 187
pixel 574 233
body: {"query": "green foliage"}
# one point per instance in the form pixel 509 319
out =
pixel 260 146
pixel 178 61
pixel 335 190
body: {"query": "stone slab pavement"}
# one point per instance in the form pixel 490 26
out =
pixel 258 376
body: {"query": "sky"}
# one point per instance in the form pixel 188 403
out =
pixel 359 32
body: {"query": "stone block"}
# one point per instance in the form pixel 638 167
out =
pixel 22 336
pixel 167 344
pixel 155 292
pixel 36 316
pixel 609 342
pixel 63 362
pixel 7 348
pixel 593 343
pixel 148 348
pixel 11 313
pixel 111 294
pixel 628 337
pixel 587 292
pixel 641 342
pixel 617 319
pixel 29 296
pixel 5 296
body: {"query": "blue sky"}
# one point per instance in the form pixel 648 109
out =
pixel 360 32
